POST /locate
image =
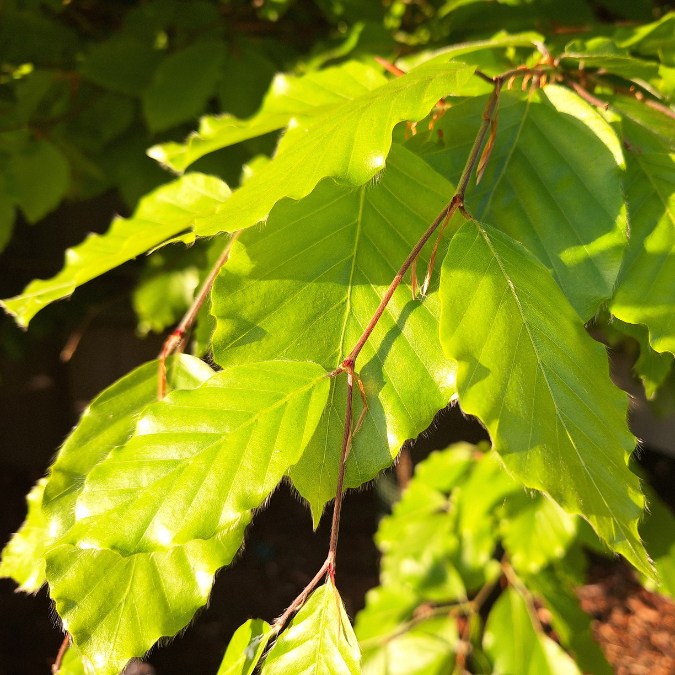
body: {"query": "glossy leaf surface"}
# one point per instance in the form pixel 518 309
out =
pixel 319 640
pixel 539 383
pixel 164 213
pixel 333 255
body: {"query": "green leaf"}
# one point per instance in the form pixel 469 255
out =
pixel 245 648
pixel 387 607
pixel 182 84
pixel 167 211
pixel 535 531
pixel 658 531
pixel 602 52
pixel 540 188
pixel 349 142
pixel 169 508
pixel 132 600
pixel 38 177
pixel 289 96
pixel 72 662
pixel 427 648
pixel 23 557
pixel 202 456
pixel 516 646
pixel 646 293
pixel 106 423
pixel 122 64
pixel 334 254
pixel 7 216
pixel 571 624
pixel 539 383
pixel 320 640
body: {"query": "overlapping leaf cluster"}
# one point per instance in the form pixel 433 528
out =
pixel 148 499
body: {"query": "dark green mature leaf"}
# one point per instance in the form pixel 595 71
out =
pixel 167 211
pixel 515 645
pixel 539 383
pixel 38 177
pixel 23 557
pixel 245 648
pixel 333 255
pixel 349 142
pixel 170 506
pixel 541 189
pixel 182 84
pixel 319 641
pixel 289 96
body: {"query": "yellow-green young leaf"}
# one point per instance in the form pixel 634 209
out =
pixel 515 645
pixel 349 142
pixel 319 641
pixel 541 189
pixel 164 213
pixel 645 293
pixel 23 557
pixel 306 286
pixel 535 531
pixel 108 422
pixel 289 96
pixel 529 371
pixel 131 601
pixel 169 507
pixel 427 648
pixel 245 648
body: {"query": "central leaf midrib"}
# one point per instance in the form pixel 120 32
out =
pixel 512 287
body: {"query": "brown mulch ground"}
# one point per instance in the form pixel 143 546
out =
pixel 635 628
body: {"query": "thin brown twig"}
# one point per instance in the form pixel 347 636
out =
pixel 176 340
pixel 58 661
pixel 585 94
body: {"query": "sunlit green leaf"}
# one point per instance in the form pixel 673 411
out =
pixel 349 142
pixel 72 662
pixel 169 507
pixel 658 531
pixel 23 557
pixel 535 531
pixel 319 640
pixel 245 648
pixel 540 188
pixel 646 293
pixel 516 645
pixel 106 423
pixel 333 255
pixel 539 383
pixel 162 214
pixel 289 96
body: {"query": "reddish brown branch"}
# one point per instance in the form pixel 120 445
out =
pixel 58 661
pixel 176 340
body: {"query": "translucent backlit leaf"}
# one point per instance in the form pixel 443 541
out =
pixel 539 383
pixel 162 214
pixel 245 648
pixel 319 641
pixel 349 142
pixel 306 286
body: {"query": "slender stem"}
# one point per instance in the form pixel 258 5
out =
pixel 177 337
pixel 58 661
pixel 586 95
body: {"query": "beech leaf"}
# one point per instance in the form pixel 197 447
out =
pixel 539 383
